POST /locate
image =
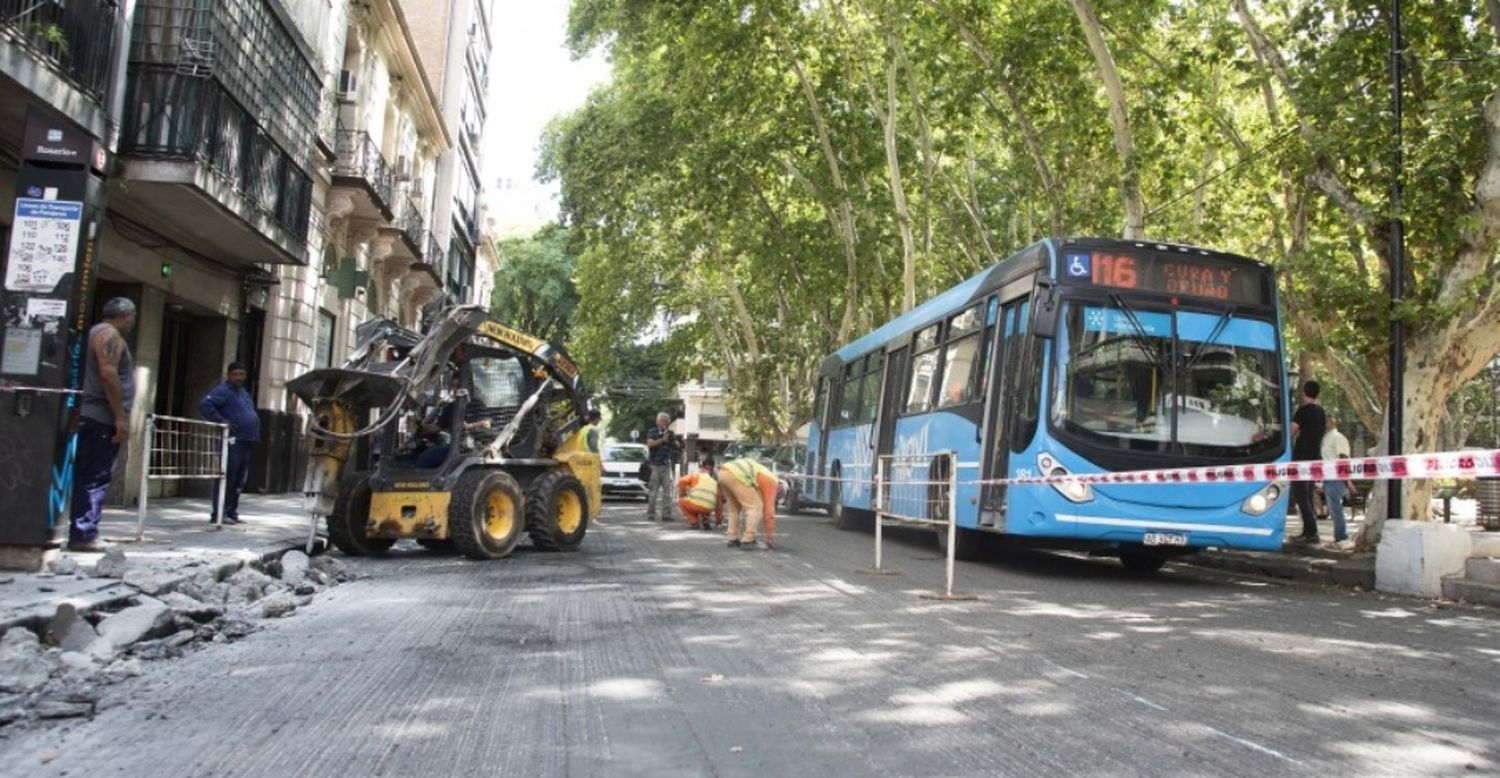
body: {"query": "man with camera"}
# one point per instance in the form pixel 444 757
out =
pixel 663 447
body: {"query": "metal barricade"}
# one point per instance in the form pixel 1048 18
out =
pixel 1487 489
pixel 921 490
pixel 178 449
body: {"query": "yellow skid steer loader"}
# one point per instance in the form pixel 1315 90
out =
pixel 477 433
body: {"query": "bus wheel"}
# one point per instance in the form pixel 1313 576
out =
pixel 968 544
pixel 1140 561
pixel 836 511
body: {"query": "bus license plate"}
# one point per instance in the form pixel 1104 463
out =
pixel 1165 539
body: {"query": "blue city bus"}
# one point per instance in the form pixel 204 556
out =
pixel 1080 355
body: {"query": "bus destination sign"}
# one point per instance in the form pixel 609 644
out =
pixel 1188 277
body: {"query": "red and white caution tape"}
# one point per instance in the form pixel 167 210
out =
pixel 1453 464
pixel 1450 464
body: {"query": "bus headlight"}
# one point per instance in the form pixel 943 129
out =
pixel 1073 491
pixel 1260 502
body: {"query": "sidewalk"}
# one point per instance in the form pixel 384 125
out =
pixel 179 543
pixel 1324 564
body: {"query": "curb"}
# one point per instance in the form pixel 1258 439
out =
pixel 1345 572
pixel 114 592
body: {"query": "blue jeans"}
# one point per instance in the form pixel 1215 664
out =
pixel 1333 493
pixel 433 456
pixel 236 474
pixel 93 465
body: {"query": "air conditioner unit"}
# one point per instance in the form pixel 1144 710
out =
pixel 348 83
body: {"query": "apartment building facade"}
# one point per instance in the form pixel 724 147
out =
pixel 456 44
pixel 276 178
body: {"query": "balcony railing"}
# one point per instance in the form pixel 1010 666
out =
pixel 76 38
pixel 435 255
pixel 195 119
pixel 713 423
pixel 409 221
pixel 359 159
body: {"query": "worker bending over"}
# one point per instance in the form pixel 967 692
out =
pixel 698 496
pixel 749 487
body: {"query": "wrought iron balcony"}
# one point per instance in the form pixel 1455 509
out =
pixel 359 163
pixel 412 226
pixel 708 423
pixel 76 38
pixel 435 254
pixel 196 119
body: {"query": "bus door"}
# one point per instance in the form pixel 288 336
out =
pixel 1005 371
pixel 823 416
pixel 890 403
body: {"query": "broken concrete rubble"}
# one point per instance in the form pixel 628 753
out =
pixel 112 565
pixel 150 619
pixel 70 631
pixel 24 666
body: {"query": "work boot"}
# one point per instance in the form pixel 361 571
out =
pixel 733 544
pixel 750 545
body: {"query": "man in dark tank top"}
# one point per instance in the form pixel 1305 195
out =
pixel 103 420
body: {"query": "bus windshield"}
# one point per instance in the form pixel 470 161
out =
pixel 1142 378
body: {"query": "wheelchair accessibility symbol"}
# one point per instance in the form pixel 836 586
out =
pixel 1079 265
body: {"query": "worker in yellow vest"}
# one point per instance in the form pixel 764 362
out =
pixel 749 489
pixel 698 496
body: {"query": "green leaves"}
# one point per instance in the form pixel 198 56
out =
pixel 534 289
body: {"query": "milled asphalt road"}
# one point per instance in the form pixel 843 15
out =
pixel 661 652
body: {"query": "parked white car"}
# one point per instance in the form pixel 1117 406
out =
pixel 622 470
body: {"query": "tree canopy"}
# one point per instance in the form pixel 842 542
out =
pixel 779 177
pixel 534 289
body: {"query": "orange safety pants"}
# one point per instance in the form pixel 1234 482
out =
pixel 757 504
pixel 695 514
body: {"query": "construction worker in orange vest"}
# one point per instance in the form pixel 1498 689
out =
pixel 698 496
pixel 749 487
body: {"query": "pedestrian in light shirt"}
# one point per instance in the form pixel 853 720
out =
pixel 229 403
pixel 1336 446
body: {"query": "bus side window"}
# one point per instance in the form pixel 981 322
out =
pixel 869 404
pixel 982 372
pixel 820 404
pixel 960 356
pixel 924 367
pixel 849 402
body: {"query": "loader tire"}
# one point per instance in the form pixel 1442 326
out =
pixel 351 512
pixel 557 511
pixel 485 517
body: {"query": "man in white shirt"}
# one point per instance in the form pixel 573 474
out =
pixel 1335 446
